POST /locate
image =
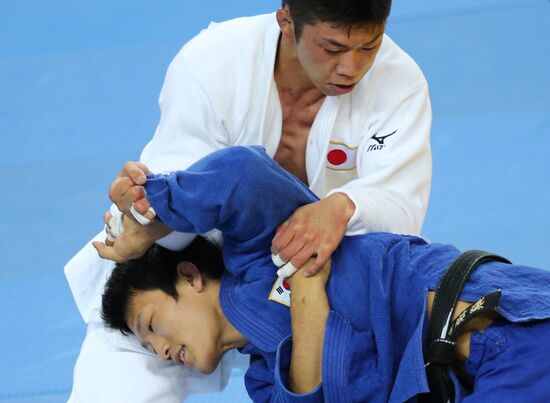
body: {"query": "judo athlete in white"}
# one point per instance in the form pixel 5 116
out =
pixel 332 99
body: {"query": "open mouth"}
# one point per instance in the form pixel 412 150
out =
pixel 342 89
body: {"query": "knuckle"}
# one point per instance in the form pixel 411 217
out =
pixel 127 167
pixel 130 164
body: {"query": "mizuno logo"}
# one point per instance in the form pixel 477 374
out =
pixel 380 140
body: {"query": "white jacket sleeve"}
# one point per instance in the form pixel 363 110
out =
pixel 188 130
pixel 392 191
pixel 189 127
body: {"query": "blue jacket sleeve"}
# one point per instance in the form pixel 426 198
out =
pixel 353 369
pixel 238 190
pixel 265 384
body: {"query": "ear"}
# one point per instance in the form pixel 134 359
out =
pixel 189 273
pixel 284 19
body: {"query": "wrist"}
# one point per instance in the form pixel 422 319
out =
pixel 346 206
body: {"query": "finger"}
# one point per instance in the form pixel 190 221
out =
pixel 143 219
pixel 282 237
pixel 107 252
pixel 124 202
pixel 287 270
pixel 292 249
pixel 301 258
pixel 142 206
pixel 137 192
pixel 277 261
pixel 114 227
pixel 282 227
pixel 137 171
pixel 120 187
pixel 109 236
pixel 107 217
pixel 323 255
pixel 133 194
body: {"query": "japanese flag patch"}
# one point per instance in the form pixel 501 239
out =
pixel 341 157
pixel 280 292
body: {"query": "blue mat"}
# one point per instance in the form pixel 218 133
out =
pixel 78 97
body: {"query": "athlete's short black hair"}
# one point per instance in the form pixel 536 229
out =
pixel 156 270
pixel 346 14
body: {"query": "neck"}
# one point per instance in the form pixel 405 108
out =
pixel 231 337
pixel 289 74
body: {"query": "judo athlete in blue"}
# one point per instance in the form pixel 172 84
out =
pixel 378 294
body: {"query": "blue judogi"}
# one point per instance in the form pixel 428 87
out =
pixel 377 288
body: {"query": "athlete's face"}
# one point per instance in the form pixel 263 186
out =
pixel 186 331
pixel 335 59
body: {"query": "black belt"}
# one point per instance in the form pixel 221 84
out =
pixel 439 351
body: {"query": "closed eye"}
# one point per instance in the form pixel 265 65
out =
pixel 148 347
pixel 331 52
pixel 150 325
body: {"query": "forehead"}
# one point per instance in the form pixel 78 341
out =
pixel 330 30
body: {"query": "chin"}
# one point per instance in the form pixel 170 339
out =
pixel 208 366
pixel 207 369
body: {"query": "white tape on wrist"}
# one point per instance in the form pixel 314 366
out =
pixel 287 270
pixel 277 261
pixel 141 218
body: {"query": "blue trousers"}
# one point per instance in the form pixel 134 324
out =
pixel 510 362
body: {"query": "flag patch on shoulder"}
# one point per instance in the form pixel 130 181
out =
pixel 280 292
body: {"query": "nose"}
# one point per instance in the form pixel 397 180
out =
pixel 349 64
pixel 162 347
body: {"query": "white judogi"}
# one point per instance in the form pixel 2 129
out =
pixel 372 144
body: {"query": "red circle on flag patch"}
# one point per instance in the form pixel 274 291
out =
pixel 286 285
pixel 337 157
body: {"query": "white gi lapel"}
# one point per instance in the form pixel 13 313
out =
pixel 271 121
pixel 318 140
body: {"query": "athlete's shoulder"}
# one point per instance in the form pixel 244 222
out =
pixel 231 63
pixel 393 76
pixel 392 61
pixel 228 45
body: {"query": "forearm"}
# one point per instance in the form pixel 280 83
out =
pixel 309 310
pixel 236 190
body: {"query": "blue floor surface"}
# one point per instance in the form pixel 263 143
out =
pixel 79 84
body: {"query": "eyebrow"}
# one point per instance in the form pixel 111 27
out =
pixel 338 44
